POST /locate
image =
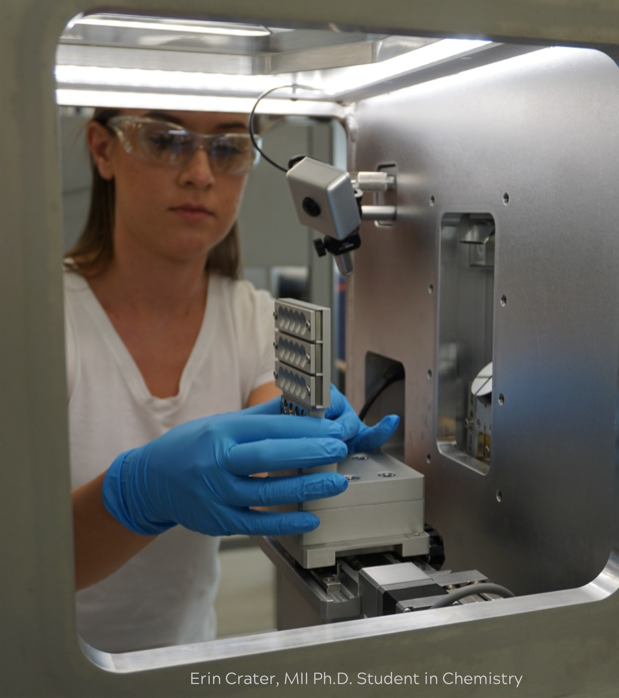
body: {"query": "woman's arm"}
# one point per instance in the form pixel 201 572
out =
pixel 198 475
pixel 102 544
pixel 263 393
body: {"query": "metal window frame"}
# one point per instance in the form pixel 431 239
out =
pixel 541 637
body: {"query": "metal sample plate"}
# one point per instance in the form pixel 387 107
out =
pixel 373 478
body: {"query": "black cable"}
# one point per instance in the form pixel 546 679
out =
pixel 472 590
pixel 253 113
pixel 398 375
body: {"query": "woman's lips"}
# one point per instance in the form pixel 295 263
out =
pixel 191 213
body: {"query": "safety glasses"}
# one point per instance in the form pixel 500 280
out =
pixel 171 145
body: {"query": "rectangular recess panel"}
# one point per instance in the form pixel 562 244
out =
pixel 465 338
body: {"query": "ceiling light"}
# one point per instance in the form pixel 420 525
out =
pixel 175 80
pixel 345 80
pixel 184 102
pixel 155 24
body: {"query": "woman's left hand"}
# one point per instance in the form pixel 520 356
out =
pixel 358 436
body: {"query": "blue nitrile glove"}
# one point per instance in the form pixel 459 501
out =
pixel 197 475
pixel 358 436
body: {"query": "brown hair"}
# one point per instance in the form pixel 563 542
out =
pixel 93 251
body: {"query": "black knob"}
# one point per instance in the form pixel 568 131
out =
pixel 320 247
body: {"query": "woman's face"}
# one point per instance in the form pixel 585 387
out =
pixel 178 212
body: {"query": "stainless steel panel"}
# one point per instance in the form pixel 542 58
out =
pixel 533 143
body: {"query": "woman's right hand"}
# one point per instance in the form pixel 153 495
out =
pixel 198 475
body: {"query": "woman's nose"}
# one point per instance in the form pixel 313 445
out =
pixel 197 170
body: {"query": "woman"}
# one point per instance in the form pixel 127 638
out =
pixel 159 333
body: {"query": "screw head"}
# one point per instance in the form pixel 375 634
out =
pixel 359 456
pixel 352 478
pixel 308 390
pixel 308 358
pixel 308 325
pixel 386 474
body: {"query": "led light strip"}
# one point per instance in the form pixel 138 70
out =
pixel 184 102
pixel 197 28
pixel 206 83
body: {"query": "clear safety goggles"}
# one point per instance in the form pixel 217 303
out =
pixel 168 144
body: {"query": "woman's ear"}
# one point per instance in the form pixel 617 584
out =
pixel 101 144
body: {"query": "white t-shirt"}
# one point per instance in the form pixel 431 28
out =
pixel 164 595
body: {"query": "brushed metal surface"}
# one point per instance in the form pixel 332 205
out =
pixel 533 143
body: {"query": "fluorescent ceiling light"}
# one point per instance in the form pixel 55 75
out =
pixel 331 82
pixel 140 88
pixel 184 102
pixel 137 78
pixel 344 80
pixel 128 22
